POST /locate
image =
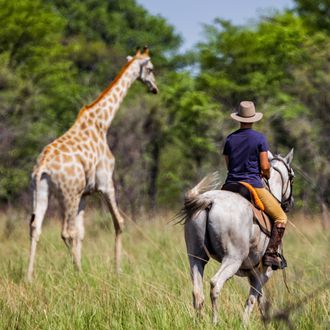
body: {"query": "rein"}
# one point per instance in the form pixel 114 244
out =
pixel 286 203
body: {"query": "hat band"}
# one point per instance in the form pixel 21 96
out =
pixel 245 116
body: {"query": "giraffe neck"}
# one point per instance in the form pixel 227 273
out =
pixel 107 104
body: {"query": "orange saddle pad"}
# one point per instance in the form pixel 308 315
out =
pixel 262 219
pixel 256 200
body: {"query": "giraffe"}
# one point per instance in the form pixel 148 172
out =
pixel 80 162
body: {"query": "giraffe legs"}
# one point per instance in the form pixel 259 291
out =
pixel 40 207
pixel 80 228
pixel 118 221
pixel 73 227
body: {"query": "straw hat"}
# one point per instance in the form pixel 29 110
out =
pixel 246 113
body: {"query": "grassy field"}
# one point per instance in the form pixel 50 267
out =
pixel 154 289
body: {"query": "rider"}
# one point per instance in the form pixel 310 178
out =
pixel 246 155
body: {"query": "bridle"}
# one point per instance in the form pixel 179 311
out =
pixel 287 203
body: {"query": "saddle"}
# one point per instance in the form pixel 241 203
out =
pixel 248 192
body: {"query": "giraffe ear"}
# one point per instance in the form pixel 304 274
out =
pixel 138 51
pixel 129 58
pixel 146 50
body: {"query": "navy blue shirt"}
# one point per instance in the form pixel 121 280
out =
pixel 242 148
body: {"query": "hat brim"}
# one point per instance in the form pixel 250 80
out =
pixel 241 119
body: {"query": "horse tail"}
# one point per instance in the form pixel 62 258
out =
pixel 194 201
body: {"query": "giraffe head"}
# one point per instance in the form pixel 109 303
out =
pixel 146 75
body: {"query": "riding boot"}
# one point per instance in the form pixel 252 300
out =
pixel 272 257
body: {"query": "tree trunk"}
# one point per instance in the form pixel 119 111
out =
pixel 325 216
pixel 154 170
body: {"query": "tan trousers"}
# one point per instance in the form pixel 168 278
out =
pixel 272 207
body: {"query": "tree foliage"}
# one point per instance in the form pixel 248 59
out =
pixel 315 13
pixel 56 56
pixel 283 66
pixel 35 70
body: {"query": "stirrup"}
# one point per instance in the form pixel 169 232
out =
pixel 277 261
pixel 283 263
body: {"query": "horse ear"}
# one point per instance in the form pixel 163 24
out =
pixel 270 156
pixel 288 158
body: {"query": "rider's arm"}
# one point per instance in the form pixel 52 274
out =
pixel 264 164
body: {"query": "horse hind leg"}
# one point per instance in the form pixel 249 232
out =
pixel 197 270
pixel 198 258
pixel 40 200
pixel 228 268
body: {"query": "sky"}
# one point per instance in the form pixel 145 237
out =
pixel 188 16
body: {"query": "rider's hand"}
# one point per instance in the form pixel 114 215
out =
pixel 264 164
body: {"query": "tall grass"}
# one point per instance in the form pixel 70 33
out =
pixel 154 290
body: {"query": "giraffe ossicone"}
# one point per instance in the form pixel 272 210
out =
pixel 80 162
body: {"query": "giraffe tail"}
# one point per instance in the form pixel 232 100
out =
pixel 37 176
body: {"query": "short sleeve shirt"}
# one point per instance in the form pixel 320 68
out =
pixel 242 148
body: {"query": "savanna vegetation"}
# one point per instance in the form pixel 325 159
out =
pixel 56 56
pixel 154 290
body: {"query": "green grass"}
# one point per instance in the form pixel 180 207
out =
pixel 154 289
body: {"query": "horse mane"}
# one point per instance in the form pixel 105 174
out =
pixel 192 201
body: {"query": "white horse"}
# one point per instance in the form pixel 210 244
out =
pixel 219 224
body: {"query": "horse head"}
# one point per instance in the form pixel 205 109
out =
pixel 281 179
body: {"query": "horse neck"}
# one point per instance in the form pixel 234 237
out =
pixel 276 184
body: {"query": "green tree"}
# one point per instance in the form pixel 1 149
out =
pixel 35 71
pixel 316 13
pixel 102 33
pixel 280 65
pixel 57 56
pixel 313 92
pixel 250 63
